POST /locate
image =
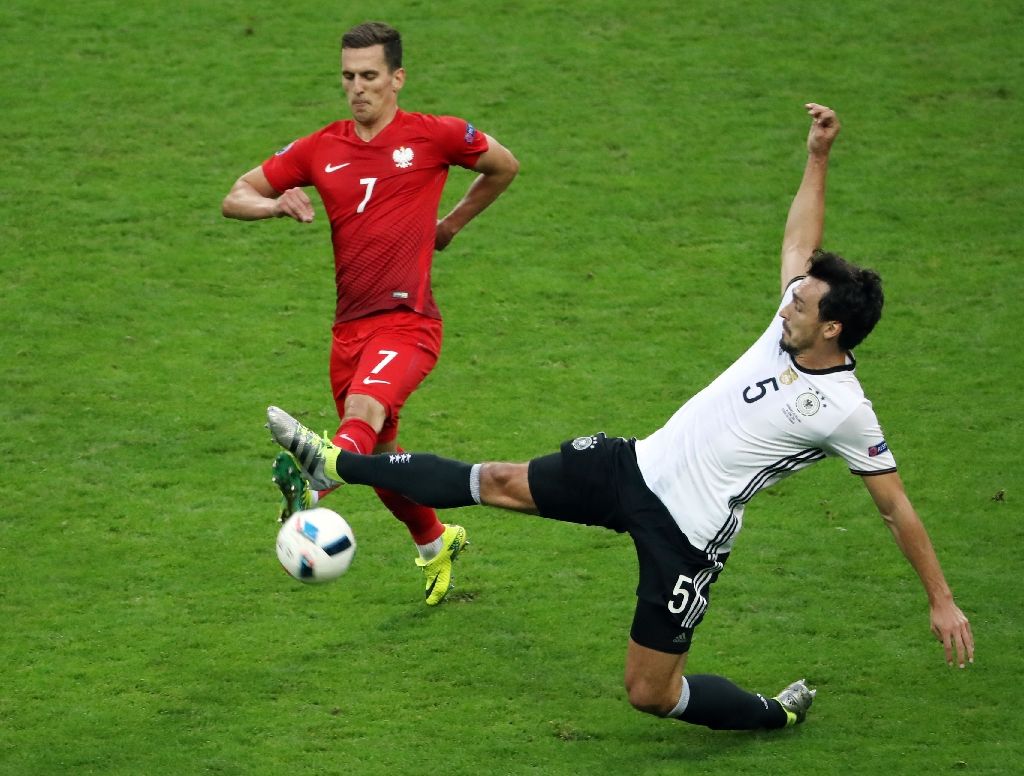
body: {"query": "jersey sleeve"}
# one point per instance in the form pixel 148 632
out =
pixel 290 166
pixel 859 441
pixel 458 141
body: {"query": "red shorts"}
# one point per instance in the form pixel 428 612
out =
pixel 385 356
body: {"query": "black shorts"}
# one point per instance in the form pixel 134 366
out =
pixel 595 480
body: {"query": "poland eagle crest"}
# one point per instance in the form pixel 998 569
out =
pixel 402 157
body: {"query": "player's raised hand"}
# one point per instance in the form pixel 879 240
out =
pixel 952 628
pixel 824 128
pixel 294 203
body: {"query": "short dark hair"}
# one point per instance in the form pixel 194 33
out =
pixel 376 33
pixel 854 296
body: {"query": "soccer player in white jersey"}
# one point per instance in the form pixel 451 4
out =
pixel 790 400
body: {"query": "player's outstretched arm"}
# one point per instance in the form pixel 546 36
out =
pixel 497 167
pixel 806 222
pixel 253 198
pixel 948 623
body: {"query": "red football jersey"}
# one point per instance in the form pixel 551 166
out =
pixel 381 198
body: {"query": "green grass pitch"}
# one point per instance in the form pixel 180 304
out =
pixel 146 627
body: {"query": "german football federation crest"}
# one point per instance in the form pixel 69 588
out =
pixel 807 403
pixel 584 442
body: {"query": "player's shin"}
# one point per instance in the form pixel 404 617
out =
pixel 356 435
pixel 421 477
pixel 717 703
pixel 424 527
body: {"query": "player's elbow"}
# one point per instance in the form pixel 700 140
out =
pixel 229 205
pixel 243 202
pixel 512 168
pixel 503 171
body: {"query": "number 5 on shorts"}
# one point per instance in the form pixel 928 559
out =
pixel 683 587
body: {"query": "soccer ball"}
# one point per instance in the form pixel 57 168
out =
pixel 316 545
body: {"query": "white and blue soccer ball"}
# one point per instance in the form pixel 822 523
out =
pixel 316 545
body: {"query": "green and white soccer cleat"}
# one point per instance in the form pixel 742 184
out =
pixel 438 570
pixel 795 701
pixel 315 456
pixel 296 495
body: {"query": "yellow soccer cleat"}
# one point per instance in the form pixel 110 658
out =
pixel 438 570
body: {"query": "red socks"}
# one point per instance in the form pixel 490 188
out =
pixel 358 436
pixel 421 521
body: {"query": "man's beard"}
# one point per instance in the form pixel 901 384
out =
pixel 788 347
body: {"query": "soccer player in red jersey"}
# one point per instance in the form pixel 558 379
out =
pixel 380 176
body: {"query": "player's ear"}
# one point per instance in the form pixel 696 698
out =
pixel 832 330
pixel 398 79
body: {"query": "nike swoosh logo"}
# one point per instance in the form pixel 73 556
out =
pixel 431 588
pixel 371 381
pixel 335 167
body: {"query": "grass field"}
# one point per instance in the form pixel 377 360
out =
pixel 146 627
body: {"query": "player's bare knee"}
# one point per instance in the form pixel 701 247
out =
pixel 505 485
pixel 497 480
pixel 367 409
pixel 648 698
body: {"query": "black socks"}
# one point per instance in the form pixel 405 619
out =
pixel 717 703
pixel 421 477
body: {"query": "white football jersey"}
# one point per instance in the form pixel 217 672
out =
pixel 758 422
